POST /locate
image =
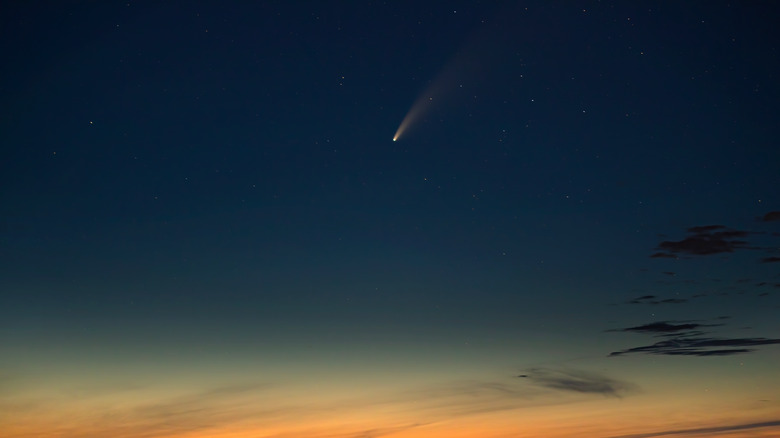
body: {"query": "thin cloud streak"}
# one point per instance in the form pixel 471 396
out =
pixel 660 327
pixel 699 346
pixel 696 431
pixel 581 382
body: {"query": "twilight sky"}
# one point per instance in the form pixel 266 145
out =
pixel 208 230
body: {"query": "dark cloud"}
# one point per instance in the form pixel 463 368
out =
pixel 703 430
pixel 651 299
pixel 660 327
pixel 770 259
pixel 699 346
pixel 677 335
pixel 715 239
pixel 663 255
pixel 771 216
pixel 704 240
pixel 706 228
pixel 578 381
pixel 644 299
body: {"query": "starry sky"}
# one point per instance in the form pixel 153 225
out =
pixel 405 219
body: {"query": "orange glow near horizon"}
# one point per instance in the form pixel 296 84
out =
pixel 526 427
pixel 233 412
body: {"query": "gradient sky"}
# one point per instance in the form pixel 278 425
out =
pixel 207 230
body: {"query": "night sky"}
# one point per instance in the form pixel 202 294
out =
pixel 406 219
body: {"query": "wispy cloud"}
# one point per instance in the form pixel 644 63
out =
pixel 703 430
pixel 336 432
pixel 660 327
pixel 699 346
pixel 652 299
pixel 578 381
pixel 704 240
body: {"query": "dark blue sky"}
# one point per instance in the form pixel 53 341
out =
pixel 204 177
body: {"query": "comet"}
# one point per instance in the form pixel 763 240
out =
pixel 450 85
pixel 459 78
pixel 420 106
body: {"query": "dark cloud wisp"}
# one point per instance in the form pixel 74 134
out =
pixel 652 299
pixel 578 381
pixel 699 346
pixel 771 216
pixel 703 430
pixel 704 240
pixel 660 327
